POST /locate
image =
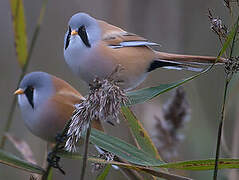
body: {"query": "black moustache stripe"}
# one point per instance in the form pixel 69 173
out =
pixel 29 94
pixel 82 33
pixel 68 38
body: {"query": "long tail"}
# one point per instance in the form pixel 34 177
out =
pixel 188 58
pixel 183 62
pixel 174 65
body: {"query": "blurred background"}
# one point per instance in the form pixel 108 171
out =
pixel 179 26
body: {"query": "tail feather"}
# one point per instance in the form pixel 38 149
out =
pixel 188 58
pixel 173 65
pixel 188 68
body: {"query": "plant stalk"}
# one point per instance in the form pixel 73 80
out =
pixel 87 139
pixel 220 129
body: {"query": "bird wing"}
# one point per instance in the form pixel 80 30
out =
pixel 116 37
pixel 65 99
pixel 65 90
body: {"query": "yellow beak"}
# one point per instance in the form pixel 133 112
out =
pixel 74 32
pixel 19 91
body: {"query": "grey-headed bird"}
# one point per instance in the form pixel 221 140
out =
pixel 47 103
pixel 93 48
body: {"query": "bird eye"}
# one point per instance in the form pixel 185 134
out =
pixel 83 28
pixel 68 38
pixel 83 34
pixel 29 92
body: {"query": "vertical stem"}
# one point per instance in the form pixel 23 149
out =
pixel 220 129
pixel 87 138
pixel 228 79
pixel 45 175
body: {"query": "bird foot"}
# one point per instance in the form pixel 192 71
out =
pixel 54 160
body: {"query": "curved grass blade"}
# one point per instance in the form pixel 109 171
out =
pixel 50 175
pixel 153 172
pixel 13 161
pixel 146 94
pixel 194 165
pixel 104 173
pixel 202 165
pixel 122 149
pixel 233 36
pixel 140 134
pixel 19 26
pixel 22 147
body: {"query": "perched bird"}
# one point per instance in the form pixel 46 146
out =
pixel 93 48
pixel 47 103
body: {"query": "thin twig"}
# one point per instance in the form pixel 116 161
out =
pixel 220 130
pixel 24 69
pixel 87 139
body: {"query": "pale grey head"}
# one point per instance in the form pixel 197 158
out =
pixel 37 87
pixel 86 31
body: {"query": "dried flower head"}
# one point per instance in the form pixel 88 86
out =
pixel 103 102
pixel 217 26
pixel 108 156
pixel 33 177
pixel 175 113
pixel 227 3
pixel 232 65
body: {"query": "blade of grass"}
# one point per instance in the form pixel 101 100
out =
pixel 50 175
pixel 22 147
pixel 202 165
pixel 146 94
pixel 104 173
pixel 19 27
pixel 153 172
pixel 24 69
pixel 140 134
pixel 122 149
pixel 87 137
pixel 13 161
pixel 194 165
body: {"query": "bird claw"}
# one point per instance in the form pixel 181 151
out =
pixel 54 160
